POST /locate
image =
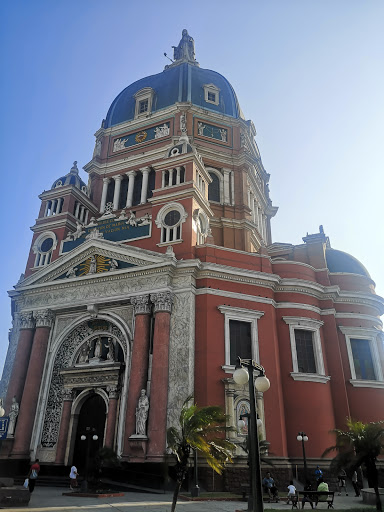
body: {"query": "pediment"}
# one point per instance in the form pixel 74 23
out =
pixel 93 258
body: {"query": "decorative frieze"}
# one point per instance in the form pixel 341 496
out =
pixel 26 320
pixel 141 304
pixel 44 318
pixel 162 301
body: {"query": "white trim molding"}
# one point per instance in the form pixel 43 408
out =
pixel 372 335
pixel 144 94
pixel 241 315
pixel 307 324
pixel 213 91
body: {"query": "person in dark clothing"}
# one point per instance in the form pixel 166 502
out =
pixel 307 497
pixel 33 474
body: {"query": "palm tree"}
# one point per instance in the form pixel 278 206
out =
pixel 360 445
pixel 199 429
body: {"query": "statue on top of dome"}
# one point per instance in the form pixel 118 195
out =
pixel 185 49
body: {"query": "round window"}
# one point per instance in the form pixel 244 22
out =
pixel 46 245
pixel 172 218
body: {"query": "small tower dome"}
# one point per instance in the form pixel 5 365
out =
pixel 72 178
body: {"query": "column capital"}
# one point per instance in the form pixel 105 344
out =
pixel 141 304
pixel 162 301
pixel 226 171
pixel 113 391
pixel 118 177
pixel 44 318
pixel 68 394
pixel 131 173
pixel 26 320
pixel 145 170
pixel 106 180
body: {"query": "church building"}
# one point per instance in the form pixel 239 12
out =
pixel 145 283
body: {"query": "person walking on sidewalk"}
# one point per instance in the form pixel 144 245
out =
pixel 32 475
pixel 73 476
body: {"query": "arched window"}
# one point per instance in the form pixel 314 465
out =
pixel 170 219
pixel 43 248
pixel 214 188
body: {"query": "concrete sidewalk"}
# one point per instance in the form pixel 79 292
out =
pixel 50 499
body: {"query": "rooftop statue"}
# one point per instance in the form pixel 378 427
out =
pixel 185 49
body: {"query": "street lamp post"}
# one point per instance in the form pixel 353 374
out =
pixel 195 492
pixel 89 436
pixel 241 376
pixel 302 436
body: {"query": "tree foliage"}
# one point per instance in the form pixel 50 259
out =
pixel 202 429
pixel 360 445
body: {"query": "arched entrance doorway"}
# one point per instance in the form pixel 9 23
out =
pixel 92 416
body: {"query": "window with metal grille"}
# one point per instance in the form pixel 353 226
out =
pixel 304 349
pixel 240 340
pixel 362 359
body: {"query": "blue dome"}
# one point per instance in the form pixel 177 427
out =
pixel 72 178
pixel 182 83
pixel 339 261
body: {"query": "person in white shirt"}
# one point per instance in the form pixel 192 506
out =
pixel 73 476
pixel 291 492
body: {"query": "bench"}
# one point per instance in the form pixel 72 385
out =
pixel 246 489
pixel 314 497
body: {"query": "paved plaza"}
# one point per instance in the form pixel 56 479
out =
pixel 51 499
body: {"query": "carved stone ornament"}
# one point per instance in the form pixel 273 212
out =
pixel 141 304
pixel 44 318
pixel 63 360
pixel 94 234
pixel 68 394
pixel 26 320
pixel 113 391
pixel 163 301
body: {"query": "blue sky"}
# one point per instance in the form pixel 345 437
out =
pixel 309 74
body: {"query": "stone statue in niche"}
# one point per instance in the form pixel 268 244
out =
pixel 119 144
pixel 113 265
pixel 200 128
pixel 186 47
pixel 92 265
pixel 98 348
pixel 79 230
pixel 132 220
pixel 71 272
pixel 223 134
pixel 146 219
pixel 111 350
pixel 142 413
pixel 183 124
pixel 161 131
pixel 13 414
pixel 84 353
pixel 97 149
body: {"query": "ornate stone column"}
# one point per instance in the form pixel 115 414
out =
pixel 111 418
pixel 139 366
pixel 131 182
pixel 144 185
pixel 68 396
pixel 104 194
pixel 20 364
pixel 44 320
pixel 116 195
pixel 157 423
